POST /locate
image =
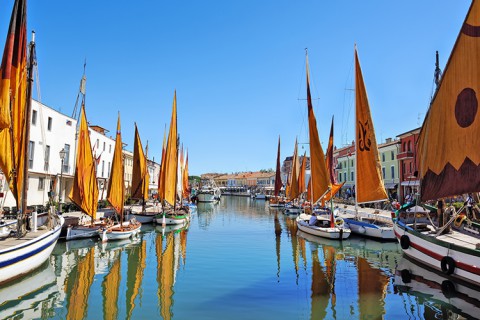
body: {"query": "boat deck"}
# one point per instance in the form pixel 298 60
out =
pixel 461 239
pixel 13 241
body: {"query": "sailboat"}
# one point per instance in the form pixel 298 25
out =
pixel 320 184
pixel 293 191
pixel 449 154
pixel 369 183
pixel 116 196
pixel 84 192
pixel 25 250
pixel 277 201
pixel 169 178
pixel 140 181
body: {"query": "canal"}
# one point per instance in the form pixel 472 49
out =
pixel 236 260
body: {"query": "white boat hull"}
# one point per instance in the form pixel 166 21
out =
pixel 172 219
pixel 206 197
pixel 81 232
pixel 114 234
pixel 144 217
pixel 329 233
pixel 28 254
pixel 431 251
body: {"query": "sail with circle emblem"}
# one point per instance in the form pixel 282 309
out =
pixel 449 140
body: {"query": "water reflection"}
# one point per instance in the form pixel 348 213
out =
pixel 340 266
pixel 431 294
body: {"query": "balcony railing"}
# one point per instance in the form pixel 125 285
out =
pixel 405 155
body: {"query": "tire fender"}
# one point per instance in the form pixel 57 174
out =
pixel 405 242
pixel 448 265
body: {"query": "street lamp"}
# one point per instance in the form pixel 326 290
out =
pixel 62 154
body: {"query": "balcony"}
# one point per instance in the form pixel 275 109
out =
pixel 405 155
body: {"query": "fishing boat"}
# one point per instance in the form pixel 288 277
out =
pixel 368 175
pixel 28 247
pixel 449 165
pixel 319 185
pixel 293 190
pixel 277 201
pixel 140 182
pixel 173 211
pixel 116 196
pixel 209 192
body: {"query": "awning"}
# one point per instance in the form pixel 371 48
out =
pixel 412 183
pixel 346 186
pixel 391 185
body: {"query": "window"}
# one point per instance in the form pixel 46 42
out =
pixel 403 168
pixel 339 177
pixel 31 150
pixel 103 167
pixel 34 117
pixel 49 124
pixel 110 148
pixel 41 183
pixel 392 172
pixel 383 172
pixel 352 163
pixel 109 167
pixel 393 155
pixel 98 143
pixel 344 176
pixel 410 164
pixel 404 147
pixel 66 161
pixel 383 157
pixel 409 145
pixel 47 158
pixel 352 176
pixel 104 144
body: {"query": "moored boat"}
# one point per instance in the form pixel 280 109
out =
pixel 449 165
pixel 28 247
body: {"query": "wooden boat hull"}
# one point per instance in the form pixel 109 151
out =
pixel 30 253
pixel 172 219
pixel 117 233
pixel 329 233
pixel 457 261
pixel 362 228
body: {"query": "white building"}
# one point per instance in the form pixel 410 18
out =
pixel 50 132
pixel 103 148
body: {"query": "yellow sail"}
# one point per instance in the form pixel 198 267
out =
pixel 161 176
pixel 84 192
pixel 329 156
pixel 449 140
pixel 369 183
pixel 13 88
pixel 294 190
pixel 319 181
pixel 140 176
pixel 116 185
pixel 110 285
pixel 171 156
pixel 77 303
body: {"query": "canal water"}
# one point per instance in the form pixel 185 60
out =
pixel 236 260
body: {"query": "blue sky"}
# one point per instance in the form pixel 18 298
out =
pixel 239 68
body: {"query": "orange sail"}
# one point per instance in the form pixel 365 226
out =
pixel 171 155
pixel 329 156
pixel 450 136
pixel 84 192
pixel 13 101
pixel 278 176
pixel 186 190
pixel 301 175
pixel 116 185
pixel 294 191
pixel 369 182
pixel 319 175
pixel 140 176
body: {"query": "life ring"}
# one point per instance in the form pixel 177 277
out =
pixel 459 220
pixel 448 265
pixel 406 276
pixel 405 242
pixel 448 288
pixel 339 222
